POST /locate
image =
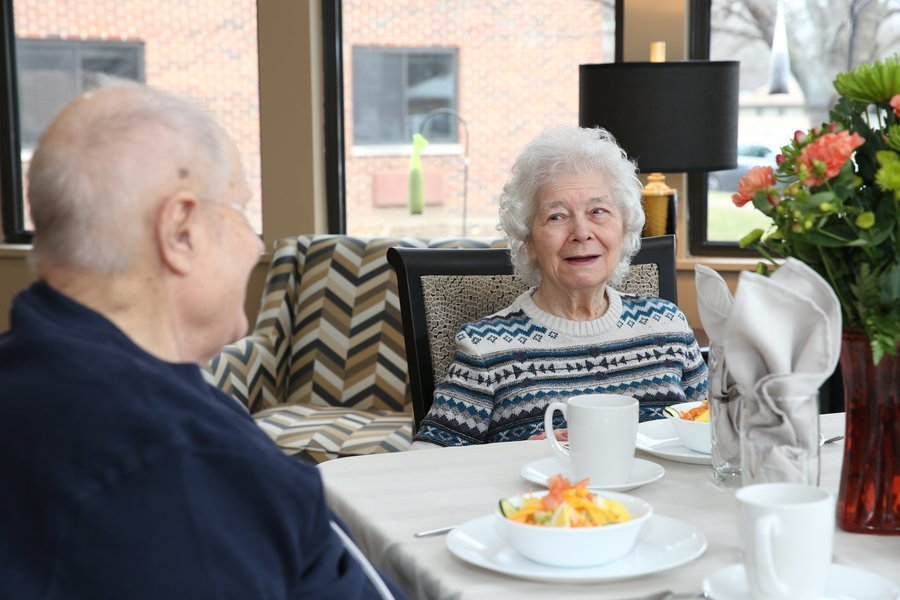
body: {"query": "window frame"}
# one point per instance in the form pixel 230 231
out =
pixel 79 48
pixel 333 116
pixel 12 203
pixel 699 39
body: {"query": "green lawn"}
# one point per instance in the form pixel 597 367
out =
pixel 728 223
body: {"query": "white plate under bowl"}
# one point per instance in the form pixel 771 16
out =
pixel 664 543
pixel 642 472
pixel 659 430
pixel 844 583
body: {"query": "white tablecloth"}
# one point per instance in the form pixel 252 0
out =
pixel 386 498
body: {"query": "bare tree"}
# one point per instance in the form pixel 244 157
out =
pixel 824 37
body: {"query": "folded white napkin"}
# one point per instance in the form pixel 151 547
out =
pixel 781 342
pixel 788 324
pixel 714 302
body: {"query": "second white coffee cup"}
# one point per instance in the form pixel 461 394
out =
pixel 786 533
pixel 602 436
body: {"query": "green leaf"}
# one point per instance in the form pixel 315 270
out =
pixel 830 240
pixel 808 253
pixel 762 204
pixel 877 352
pixel 893 140
pixel 889 283
pixel 820 197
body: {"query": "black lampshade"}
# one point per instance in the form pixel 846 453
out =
pixel 670 117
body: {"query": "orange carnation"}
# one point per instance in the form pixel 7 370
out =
pixel 831 149
pixel 756 179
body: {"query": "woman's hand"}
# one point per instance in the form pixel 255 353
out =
pixel 561 434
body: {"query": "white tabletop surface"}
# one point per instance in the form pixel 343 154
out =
pixel 385 498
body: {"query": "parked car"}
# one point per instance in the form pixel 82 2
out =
pixel 749 156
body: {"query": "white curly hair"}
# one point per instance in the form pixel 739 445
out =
pixel 567 150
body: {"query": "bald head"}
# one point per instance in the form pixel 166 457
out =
pixel 106 163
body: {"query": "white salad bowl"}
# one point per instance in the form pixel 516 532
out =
pixel 696 435
pixel 576 546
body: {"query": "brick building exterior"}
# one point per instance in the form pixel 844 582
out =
pixel 517 73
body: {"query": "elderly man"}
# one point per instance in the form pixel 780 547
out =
pixel 124 475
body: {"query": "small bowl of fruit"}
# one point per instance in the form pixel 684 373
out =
pixel 570 526
pixel 690 420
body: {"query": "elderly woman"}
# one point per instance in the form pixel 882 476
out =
pixel 572 214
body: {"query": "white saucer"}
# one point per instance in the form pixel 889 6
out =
pixel 642 472
pixel 664 543
pixel 844 583
pixel 650 432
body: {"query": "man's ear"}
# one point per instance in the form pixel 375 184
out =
pixel 177 226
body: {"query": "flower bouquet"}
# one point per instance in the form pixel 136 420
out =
pixel 834 198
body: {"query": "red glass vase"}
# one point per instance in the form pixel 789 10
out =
pixel 869 497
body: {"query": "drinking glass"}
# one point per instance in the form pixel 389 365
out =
pixel 780 439
pixel 725 420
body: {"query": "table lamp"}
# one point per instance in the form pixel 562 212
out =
pixel 670 117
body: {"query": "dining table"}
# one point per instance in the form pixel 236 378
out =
pixel 385 499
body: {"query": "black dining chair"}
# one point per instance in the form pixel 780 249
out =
pixel 441 289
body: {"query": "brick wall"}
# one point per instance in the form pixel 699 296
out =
pixel 518 72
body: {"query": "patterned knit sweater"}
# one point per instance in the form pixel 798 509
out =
pixel 509 366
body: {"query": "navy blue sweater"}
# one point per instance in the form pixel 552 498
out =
pixel 123 476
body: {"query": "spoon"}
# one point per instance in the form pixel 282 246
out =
pixel 650 442
pixel 435 531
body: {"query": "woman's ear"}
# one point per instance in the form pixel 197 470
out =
pixel 177 230
pixel 529 249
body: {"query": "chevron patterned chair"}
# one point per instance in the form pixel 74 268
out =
pixel 324 370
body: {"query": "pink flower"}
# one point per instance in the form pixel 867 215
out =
pixel 831 149
pixel 895 104
pixel 779 158
pixel 800 137
pixel 756 179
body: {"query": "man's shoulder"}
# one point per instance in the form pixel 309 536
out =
pixel 106 412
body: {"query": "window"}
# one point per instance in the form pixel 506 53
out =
pixel 396 88
pixel 206 51
pixel 479 79
pixel 785 86
pixel 52 72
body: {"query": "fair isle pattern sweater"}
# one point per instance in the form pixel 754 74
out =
pixel 509 366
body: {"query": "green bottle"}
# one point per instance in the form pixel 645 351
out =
pixel 416 182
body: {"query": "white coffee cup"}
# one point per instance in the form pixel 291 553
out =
pixel 786 532
pixel 602 435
